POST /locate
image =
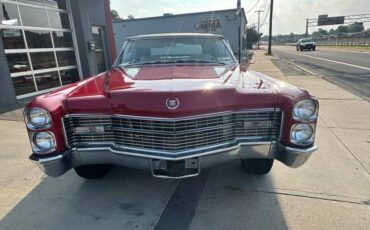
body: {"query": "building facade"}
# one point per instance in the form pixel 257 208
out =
pixel 46 44
pixel 223 22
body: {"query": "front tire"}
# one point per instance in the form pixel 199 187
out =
pixel 258 166
pixel 92 172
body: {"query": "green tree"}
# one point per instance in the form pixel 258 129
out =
pixel 342 29
pixel 356 27
pixel 320 33
pixel 115 15
pixel 252 37
pixel 367 33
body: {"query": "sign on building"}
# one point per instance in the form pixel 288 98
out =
pixel 208 25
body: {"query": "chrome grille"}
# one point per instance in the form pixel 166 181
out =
pixel 173 135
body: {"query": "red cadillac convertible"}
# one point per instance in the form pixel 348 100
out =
pixel 172 104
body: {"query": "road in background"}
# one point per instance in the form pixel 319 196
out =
pixel 347 69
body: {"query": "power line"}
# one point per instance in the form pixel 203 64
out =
pixel 250 9
pixel 267 13
pixel 261 5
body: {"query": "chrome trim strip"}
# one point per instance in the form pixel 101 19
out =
pixel 65 133
pixel 148 131
pixel 172 158
pixel 175 118
pixel 301 151
pixel 179 177
pixel 49 159
pixel 281 125
pixel 238 140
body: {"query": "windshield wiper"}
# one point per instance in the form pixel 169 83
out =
pixel 199 61
pixel 174 61
pixel 144 63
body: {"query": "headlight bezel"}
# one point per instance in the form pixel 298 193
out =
pixel 32 125
pixel 306 142
pixel 312 117
pixel 37 149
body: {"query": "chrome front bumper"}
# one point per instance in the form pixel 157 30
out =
pixel 157 165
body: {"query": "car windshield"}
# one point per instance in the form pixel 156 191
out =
pixel 307 40
pixel 174 50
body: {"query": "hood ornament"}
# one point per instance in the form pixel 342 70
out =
pixel 172 103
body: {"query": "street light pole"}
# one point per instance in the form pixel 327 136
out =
pixel 258 28
pixel 270 27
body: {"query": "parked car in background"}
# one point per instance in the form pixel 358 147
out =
pixel 173 104
pixel 306 44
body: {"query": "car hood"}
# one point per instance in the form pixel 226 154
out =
pixel 198 89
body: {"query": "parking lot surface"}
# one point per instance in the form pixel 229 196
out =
pixel 331 191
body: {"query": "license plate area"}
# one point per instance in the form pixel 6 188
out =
pixel 175 169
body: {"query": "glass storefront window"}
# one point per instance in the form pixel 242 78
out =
pixel 69 76
pixel 58 20
pixel 97 32
pixel 9 15
pixel 47 80
pixel 33 2
pixel 40 25
pixel 43 60
pixel 62 39
pixel 18 62
pixel 23 85
pixel 38 39
pixel 100 60
pixel 33 16
pixel 12 38
pixel 58 4
pixel 98 37
pixel 66 58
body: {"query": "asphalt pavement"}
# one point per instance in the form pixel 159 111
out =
pixel 347 69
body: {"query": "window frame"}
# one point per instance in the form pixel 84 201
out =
pixel 53 49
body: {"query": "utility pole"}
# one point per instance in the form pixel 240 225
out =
pixel 239 13
pixel 270 27
pixel 306 35
pixel 258 28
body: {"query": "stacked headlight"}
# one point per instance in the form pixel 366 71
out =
pixel 38 118
pixel 43 142
pixel 302 134
pixel 305 110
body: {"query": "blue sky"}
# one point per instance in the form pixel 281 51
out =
pixel 289 15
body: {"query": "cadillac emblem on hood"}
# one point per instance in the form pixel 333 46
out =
pixel 172 103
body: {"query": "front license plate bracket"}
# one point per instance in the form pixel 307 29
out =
pixel 175 169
